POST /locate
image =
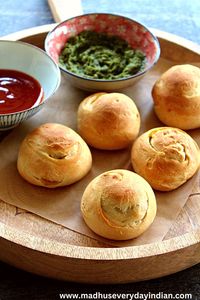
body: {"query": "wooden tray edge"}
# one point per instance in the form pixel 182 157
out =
pixel 159 33
pixel 73 251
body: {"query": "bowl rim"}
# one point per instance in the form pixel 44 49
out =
pixel 43 52
pixel 155 39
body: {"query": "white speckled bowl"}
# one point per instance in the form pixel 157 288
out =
pixel 35 62
pixel 136 34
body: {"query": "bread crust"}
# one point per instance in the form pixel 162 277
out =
pixel 53 155
pixel 176 96
pixel 108 121
pixel 166 157
pixel 118 205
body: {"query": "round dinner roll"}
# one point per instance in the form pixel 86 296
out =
pixel 108 121
pixel 53 155
pixel 118 205
pixel 166 157
pixel 176 96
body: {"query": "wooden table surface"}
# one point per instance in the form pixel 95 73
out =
pixel 178 17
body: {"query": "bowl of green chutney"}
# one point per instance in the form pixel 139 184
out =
pixel 102 51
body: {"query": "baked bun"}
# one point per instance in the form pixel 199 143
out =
pixel 53 155
pixel 166 157
pixel 108 121
pixel 118 205
pixel 176 96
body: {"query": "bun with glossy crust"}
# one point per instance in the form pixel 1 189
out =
pixel 176 96
pixel 108 121
pixel 166 157
pixel 53 155
pixel 118 205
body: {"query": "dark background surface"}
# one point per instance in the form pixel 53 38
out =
pixel 180 17
pixel 16 284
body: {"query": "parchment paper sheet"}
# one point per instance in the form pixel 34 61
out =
pixel 62 205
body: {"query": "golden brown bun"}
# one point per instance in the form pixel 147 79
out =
pixel 176 96
pixel 53 155
pixel 118 205
pixel 108 121
pixel 166 157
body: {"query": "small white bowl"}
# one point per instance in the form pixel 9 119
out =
pixel 20 56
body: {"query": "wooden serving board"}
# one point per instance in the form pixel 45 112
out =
pixel 37 245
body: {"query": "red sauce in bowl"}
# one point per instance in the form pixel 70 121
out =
pixel 18 91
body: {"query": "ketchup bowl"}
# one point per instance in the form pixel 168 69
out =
pixel 28 78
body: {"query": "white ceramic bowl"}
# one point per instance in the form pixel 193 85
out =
pixel 136 34
pixel 35 62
